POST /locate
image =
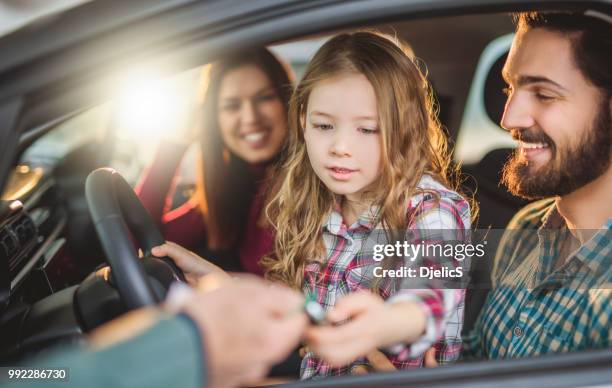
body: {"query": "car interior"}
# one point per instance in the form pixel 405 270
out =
pixel 55 282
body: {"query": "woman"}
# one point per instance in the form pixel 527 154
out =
pixel 243 129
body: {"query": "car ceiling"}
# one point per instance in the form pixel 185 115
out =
pixel 72 62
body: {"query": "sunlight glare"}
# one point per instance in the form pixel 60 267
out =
pixel 148 107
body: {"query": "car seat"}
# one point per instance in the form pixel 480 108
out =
pixel 497 205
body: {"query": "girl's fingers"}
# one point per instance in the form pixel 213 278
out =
pixel 344 352
pixel 430 358
pixel 346 342
pixel 379 361
pixel 352 305
pixel 338 335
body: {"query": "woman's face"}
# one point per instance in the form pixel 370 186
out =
pixel 252 118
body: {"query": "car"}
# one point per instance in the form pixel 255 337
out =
pixel 60 78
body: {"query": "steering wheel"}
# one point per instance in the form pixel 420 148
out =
pixel 116 211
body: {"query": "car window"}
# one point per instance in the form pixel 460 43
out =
pixel 133 123
pixel 298 53
pixel 137 119
pixel 135 127
pixel 84 128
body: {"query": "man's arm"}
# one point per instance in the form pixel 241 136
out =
pixel 169 353
pixel 227 333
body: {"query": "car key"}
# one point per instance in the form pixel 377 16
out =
pixel 315 312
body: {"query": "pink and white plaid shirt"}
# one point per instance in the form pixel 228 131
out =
pixel 349 268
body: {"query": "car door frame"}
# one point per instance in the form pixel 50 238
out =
pixel 75 60
pixel 64 73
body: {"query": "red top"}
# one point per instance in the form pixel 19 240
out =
pixel 185 224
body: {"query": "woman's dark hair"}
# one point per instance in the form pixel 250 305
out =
pixel 591 37
pixel 225 182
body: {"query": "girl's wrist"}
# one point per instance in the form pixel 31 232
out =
pixel 404 323
pixel 387 326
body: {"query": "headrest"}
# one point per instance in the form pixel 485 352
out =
pixel 494 98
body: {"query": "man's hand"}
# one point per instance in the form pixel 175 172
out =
pixel 192 265
pixel 248 325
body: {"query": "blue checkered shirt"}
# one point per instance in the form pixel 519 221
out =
pixel 540 304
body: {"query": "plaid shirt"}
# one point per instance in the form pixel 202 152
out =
pixel 349 268
pixel 536 309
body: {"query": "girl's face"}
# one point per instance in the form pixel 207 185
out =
pixel 342 136
pixel 251 115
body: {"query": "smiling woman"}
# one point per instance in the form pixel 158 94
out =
pixel 241 127
pixel 251 115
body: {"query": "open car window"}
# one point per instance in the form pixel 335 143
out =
pixel 460 53
pixel 84 128
pixel 134 123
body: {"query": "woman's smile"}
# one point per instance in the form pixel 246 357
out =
pixel 257 138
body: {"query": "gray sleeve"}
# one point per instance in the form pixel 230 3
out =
pixel 169 354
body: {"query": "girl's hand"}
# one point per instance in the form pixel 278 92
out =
pixel 192 265
pixel 372 324
pixel 430 358
pixel 342 344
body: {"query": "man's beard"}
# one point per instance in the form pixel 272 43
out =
pixel 569 168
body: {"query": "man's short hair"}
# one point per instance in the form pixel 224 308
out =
pixel 591 37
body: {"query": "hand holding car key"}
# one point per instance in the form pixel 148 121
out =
pixel 318 316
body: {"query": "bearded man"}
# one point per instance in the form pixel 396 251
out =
pixel 552 274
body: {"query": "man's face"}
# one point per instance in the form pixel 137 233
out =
pixel 562 121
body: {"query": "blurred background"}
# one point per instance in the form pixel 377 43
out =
pixel 459 54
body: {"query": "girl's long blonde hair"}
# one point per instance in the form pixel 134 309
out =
pixel 413 143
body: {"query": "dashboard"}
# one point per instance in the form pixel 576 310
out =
pixel 48 292
pixel 18 237
pixel 32 223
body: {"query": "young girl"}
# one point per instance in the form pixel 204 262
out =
pixel 366 163
pixel 366 155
